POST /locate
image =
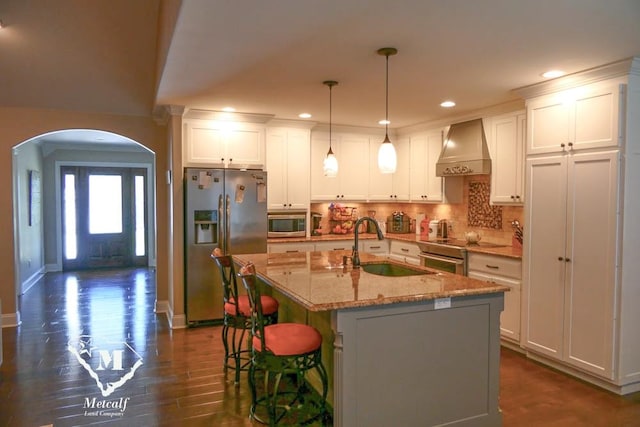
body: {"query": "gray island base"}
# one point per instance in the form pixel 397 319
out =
pixel 416 350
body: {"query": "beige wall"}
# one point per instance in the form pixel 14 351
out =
pixel 19 125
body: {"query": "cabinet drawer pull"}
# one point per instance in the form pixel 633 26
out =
pixel 496 267
pixel 404 249
pixel 292 251
pixel 374 247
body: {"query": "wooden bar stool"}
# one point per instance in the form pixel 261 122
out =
pixel 281 354
pixel 237 315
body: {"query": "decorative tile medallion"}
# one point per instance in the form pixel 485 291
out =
pixel 481 213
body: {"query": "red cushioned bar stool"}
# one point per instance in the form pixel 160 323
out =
pixel 237 316
pixel 281 355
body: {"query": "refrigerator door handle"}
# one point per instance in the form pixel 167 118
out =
pixel 221 243
pixel 228 223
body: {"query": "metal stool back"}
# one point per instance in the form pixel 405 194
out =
pixel 281 355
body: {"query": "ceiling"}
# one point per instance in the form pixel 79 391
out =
pixel 271 57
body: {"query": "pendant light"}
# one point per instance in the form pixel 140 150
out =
pixel 330 164
pixel 387 153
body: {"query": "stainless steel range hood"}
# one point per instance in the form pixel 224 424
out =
pixel 465 151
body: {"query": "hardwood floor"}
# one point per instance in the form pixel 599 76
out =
pixel 68 317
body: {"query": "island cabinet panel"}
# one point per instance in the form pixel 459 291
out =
pixel 451 369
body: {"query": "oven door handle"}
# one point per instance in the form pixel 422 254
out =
pixel 457 261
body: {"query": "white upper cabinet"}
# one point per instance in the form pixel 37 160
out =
pixel 288 152
pixel 389 187
pixel 425 148
pixel 506 145
pixel 352 182
pixel 223 144
pixel 580 118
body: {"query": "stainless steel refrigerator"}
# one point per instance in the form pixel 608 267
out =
pixel 223 208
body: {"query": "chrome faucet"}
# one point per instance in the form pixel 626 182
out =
pixel 355 258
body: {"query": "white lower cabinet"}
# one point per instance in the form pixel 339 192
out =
pixel 334 245
pixel 379 247
pixel 404 251
pixel 290 247
pixel 507 272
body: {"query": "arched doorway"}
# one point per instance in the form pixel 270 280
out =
pixel 38 196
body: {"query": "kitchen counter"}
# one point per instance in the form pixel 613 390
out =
pixel 318 281
pixel 413 350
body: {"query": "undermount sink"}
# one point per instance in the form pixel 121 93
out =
pixel 393 270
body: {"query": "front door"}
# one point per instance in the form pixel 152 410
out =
pixel 104 217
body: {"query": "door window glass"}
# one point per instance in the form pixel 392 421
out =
pixel 105 204
pixel 69 200
pixel 139 220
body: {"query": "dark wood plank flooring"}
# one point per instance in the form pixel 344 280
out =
pixel 181 381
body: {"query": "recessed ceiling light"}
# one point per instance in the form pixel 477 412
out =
pixel 552 74
pixel 384 122
pixel 304 115
pixel 229 109
pixel 448 104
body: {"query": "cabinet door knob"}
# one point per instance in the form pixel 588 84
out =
pixel 560 258
pixel 567 260
pixel 562 145
pixel 570 145
pixel 513 197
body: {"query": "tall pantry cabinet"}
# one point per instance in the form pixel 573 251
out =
pixel 581 292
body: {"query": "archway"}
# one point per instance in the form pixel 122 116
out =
pixel 37 197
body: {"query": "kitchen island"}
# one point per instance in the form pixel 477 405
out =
pixel 411 350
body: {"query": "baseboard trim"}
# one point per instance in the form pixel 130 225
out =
pixel 512 346
pixel 162 306
pixel 614 388
pixel 31 281
pixel 175 321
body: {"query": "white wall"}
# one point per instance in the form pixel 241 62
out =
pixel 29 244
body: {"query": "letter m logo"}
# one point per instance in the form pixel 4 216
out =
pixel 106 358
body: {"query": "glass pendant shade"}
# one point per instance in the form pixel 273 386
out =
pixel 330 165
pixel 387 159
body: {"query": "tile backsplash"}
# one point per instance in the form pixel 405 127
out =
pixel 493 223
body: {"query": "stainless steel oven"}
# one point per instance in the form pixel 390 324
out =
pixel 450 256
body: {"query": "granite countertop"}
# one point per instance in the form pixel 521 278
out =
pixel 319 282
pixel 506 251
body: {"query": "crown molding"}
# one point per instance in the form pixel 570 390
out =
pixel 604 72
pixel 200 114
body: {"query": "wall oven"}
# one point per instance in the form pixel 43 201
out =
pixel 287 224
pixel 449 256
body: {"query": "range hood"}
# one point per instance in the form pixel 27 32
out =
pixel 465 151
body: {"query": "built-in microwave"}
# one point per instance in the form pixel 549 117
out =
pixel 287 224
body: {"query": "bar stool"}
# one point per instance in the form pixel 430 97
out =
pixel 283 353
pixel 237 315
